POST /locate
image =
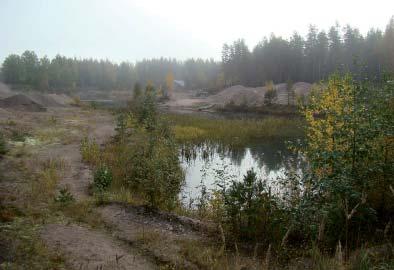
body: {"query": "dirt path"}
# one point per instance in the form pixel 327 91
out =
pixel 159 235
pixel 82 247
pixel 70 128
pixel 56 135
pixel 85 249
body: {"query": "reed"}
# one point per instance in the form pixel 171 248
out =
pixel 199 129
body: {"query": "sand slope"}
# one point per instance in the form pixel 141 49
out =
pixel 254 96
pixel 21 103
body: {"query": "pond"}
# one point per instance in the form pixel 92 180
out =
pixel 270 160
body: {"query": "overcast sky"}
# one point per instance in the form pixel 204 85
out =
pixel 132 30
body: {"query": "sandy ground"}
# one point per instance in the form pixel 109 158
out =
pixel 185 100
pixel 85 248
pixel 157 234
pixel 133 238
pixel 237 94
pixel 254 96
pixel 81 246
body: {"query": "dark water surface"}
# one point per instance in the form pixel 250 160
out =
pixel 270 160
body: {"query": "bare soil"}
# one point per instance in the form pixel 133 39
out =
pixel 157 234
pixel 85 248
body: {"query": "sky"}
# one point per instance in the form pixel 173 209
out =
pixel 131 30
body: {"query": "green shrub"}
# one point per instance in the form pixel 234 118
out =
pixel 102 179
pixel 3 145
pixel 250 212
pixel 64 197
pixel 198 129
pixel 152 169
pixel 94 105
pixel 53 120
pixel 271 95
pixel 349 149
pixel 19 135
pixel 147 162
pixel 76 101
pixel 22 247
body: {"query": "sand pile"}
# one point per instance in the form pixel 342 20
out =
pixel 44 100
pixel 302 88
pixel 21 103
pixel 61 99
pixel 254 96
pixel 32 102
pixel 51 100
pixel 4 91
pixel 239 94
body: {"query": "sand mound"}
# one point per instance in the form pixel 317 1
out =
pixel 4 91
pixel 51 100
pixel 302 88
pixel 61 99
pixel 21 103
pixel 239 94
pixel 254 96
pixel 44 100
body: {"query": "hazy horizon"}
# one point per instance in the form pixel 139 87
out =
pixel 133 30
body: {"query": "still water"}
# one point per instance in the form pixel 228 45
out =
pixel 270 160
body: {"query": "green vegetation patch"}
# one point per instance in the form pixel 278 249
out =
pixel 198 129
pixel 3 145
pixel 25 249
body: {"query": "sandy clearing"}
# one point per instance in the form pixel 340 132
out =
pixel 96 125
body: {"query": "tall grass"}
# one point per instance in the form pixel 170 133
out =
pixel 237 132
pixel 44 183
pixel 90 151
pixel 3 145
pixel 21 222
pixel 24 248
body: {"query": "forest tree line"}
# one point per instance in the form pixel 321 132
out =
pixel 62 73
pixel 310 59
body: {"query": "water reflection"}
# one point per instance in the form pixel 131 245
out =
pixel 270 160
